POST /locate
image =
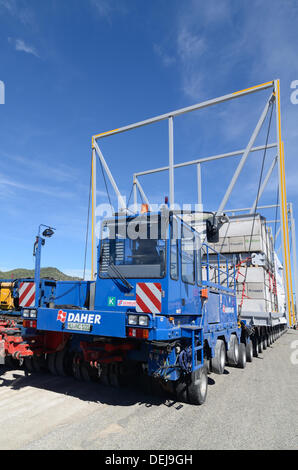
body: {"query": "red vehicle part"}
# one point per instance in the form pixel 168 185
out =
pixel 103 352
pixel 12 343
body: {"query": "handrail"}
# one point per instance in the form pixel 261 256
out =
pixel 227 275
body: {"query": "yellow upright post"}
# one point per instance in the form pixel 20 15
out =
pixel 93 229
pixel 283 209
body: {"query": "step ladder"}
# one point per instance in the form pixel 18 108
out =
pixel 195 333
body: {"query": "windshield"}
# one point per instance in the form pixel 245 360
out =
pixel 137 249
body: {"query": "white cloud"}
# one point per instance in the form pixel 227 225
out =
pixel 190 46
pixel 19 10
pixel 21 46
pixel 59 173
pixel 49 191
pixel 107 8
pixel 166 59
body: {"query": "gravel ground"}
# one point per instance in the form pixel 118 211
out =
pixel 255 408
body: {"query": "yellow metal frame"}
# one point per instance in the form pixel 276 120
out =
pixel 92 219
pixel 282 182
pixel 284 214
pixel 253 87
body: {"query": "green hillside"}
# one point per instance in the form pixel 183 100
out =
pixel 52 273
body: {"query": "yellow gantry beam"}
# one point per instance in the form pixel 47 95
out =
pixel 254 87
pixel 181 111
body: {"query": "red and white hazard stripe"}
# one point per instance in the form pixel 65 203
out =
pixel 27 294
pixel 148 297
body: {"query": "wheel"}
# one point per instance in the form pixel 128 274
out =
pixel 28 364
pixel 242 356
pixel 51 359
pixel 198 387
pixel 264 343
pixel 218 362
pixel 233 351
pixel 255 346
pixel 267 340
pixel 11 363
pixel 104 376
pixel 260 348
pixel 181 389
pixel 156 387
pixel 60 357
pixel 85 372
pixel 249 351
pixel 37 363
pixel 207 364
pixel 76 368
pixel 64 363
pixel 273 336
pixel 114 375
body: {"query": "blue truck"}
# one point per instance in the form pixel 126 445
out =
pixel 162 310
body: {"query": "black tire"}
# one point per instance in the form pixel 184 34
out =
pixel 268 340
pixel 157 389
pixel 207 364
pixel 11 363
pixel 76 369
pixel 146 383
pixel 85 372
pixel 104 376
pixel 264 343
pixel 181 389
pixel 260 345
pixel 64 363
pixel 114 375
pixel 233 351
pixel 60 356
pixel 37 363
pixel 218 362
pixel 249 351
pixel 28 364
pixel 255 346
pixel 198 387
pixel 51 361
pixel 242 356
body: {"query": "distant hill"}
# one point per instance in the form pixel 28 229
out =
pixel 52 273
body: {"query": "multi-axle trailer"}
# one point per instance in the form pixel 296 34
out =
pixel 163 305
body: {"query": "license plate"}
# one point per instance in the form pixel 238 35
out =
pixel 78 326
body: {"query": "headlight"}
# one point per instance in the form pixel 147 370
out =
pixel 33 314
pixel 132 319
pixel 143 320
pixel 26 313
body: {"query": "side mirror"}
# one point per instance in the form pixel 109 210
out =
pixel 212 231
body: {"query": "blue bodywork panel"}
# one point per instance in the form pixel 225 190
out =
pixel 84 322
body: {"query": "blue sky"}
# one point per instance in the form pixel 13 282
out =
pixel 74 68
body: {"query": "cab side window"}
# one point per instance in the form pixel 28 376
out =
pixel 187 256
pixel 174 267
